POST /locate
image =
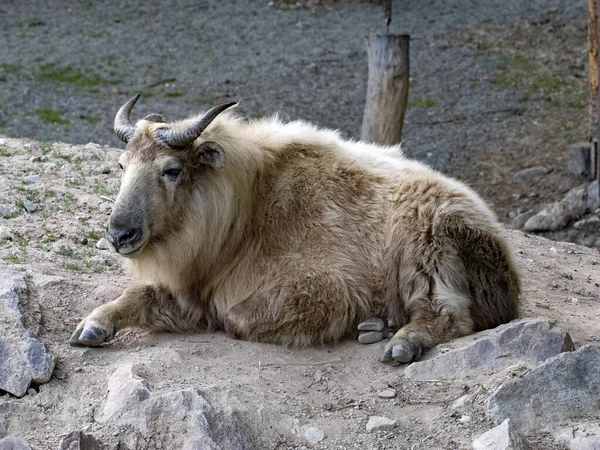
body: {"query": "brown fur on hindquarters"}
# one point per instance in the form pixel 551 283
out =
pixel 286 233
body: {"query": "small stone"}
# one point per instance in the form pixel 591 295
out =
pixel 374 324
pixel 35 159
pixel 370 337
pixel 13 443
pixel 84 241
pixel 5 234
pixel 461 402
pixel 103 244
pixel 33 178
pixel 579 158
pixel 378 423
pixel 502 437
pixel 557 215
pixel 2 430
pixel 387 393
pixel 78 369
pixel 77 440
pixel 31 392
pixel 105 170
pixel 318 376
pixel 314 435
pixel 30 207
pixel 465 419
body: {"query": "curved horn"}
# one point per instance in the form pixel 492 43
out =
pixel 123 126
pixel 181 138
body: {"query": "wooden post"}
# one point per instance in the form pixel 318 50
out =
pixel 594 110
pixel 387 88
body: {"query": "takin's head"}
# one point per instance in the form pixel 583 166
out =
pixel 163 166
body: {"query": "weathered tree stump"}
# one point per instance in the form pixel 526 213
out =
pixel 387 89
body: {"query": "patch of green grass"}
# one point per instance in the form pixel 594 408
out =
pixel 63 250
pixel 48 236
pixel 101 189
pixel 49 115
pixel 68 203
pixel 73 266
pixel 92 235
pixel 14 258
pixel 36 22
pixel 4 151
pixel 174 94
pixel 146 94
pixel 10 68
pixel 67 158
pixel 69 75
pixel 46 146
pixel 99 35
pixel 91 119
pixel 423 102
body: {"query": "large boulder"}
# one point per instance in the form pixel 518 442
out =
pixel 492 350
pixel 23 358
pixel 557 216
pixel 564 387
pixel 176 419
pixel 503 437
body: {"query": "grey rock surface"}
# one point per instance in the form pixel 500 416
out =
pixel 379 423
pixel 564 387
pixel 593 195
pixel 557 216
pixel 176 419
pixel 13 443
pixel 2 430
pixel 492 350
pixel 78 440
pixel 591 223
pixel 519 221
pixel 503 437
pixel 24 358
pixel 314 435
pixel 580 436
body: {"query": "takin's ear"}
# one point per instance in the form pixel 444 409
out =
pixel 157 118
pixel 212 154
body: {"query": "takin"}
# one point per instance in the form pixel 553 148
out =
pixel 286 233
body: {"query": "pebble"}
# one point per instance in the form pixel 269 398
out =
pixel 387 393
pixel 370 337
pixel 465 419
pixel 32 392
pixel 5 234
pixel 33 178
pixel 30 207
pixel 314 435
pixel 35 159
pixel 374 324
pixel 379 423
pixel 102 244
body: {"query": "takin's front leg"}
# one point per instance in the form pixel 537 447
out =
pixel 148 307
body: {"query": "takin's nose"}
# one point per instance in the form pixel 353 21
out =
pixel 121 238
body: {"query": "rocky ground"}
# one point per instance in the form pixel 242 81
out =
pixel 144 390
pixel 497 93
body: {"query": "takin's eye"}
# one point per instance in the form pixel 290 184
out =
pixel 172 173
pixel 120 166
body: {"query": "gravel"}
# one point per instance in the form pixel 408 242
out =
pixel 73 64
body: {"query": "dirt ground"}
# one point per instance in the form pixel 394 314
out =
pixel 281 391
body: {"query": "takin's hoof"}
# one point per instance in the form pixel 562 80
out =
pixel 400 351
pixel 91 335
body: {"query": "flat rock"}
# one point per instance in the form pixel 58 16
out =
pixel 24 358
pixel 564 387
pixel 78 440
pixel 181 418
pixel 32 179
pixel 580 436
pixel 591 223
pixel 531 174
pixel 5 234
pixel 30 207
pixel 503 437
pixel 314 435
pixel 492 350
pixel 13 443
pixel 374 324
pixel 557 216
pixel 379 423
